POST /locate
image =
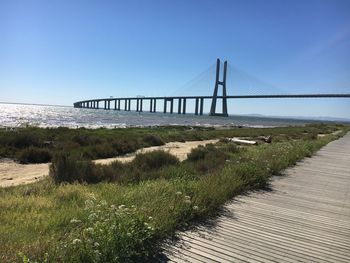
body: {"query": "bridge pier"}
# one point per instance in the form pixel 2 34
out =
pixel 150 105
pixel 196 107
pixel 165 101
pixel 179 107
pixel 184 106
pixel 201 106
pixel 171 106
pixel 141 104
pixel 137 105
pixel 155 105
pixel 125 104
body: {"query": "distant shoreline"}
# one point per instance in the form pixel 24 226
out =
pixel 34 104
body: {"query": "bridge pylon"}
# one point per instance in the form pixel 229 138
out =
pixel 215 95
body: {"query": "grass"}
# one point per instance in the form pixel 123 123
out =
pixel 90 144
pixel 135 206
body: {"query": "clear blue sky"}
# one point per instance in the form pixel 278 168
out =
pixel 58 52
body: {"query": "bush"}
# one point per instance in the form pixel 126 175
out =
pixel 153 140
pixel 153 160
pixel 109 233
pixel 22 140
pixel 34 155
pixel 65 168
pixel 198 153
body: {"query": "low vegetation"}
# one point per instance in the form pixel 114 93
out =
pixel 122 212
pixel 88 144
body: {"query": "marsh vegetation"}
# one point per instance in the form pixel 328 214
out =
pixel 122 212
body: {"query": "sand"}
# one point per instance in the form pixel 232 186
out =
pixel 12 173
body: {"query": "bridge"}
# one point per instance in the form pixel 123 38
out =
pixel 167 102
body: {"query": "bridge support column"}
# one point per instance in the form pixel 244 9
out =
pixel 215 95
pixel 171 106
pixel 165 102
pixel 155 105
pixel 150 105
pixel 141 104
pixel 125 104
pixel 184 106
pixel 137 104
pixel 201 106
pixel 115 105
pixel 196 107
pixel 179 107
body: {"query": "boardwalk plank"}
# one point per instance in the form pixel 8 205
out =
pixel 305 218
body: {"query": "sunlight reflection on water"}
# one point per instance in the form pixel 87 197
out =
pixel 16 115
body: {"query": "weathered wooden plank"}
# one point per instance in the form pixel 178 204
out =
pixel 305 218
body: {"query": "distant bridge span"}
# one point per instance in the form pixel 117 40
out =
pixel 125 103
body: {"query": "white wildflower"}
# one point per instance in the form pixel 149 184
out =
pixel 76 241
pixel 74 221
pixel 187 197
pixel 92 216
pixel 178 193
pixel 96 244
pixel 121 206
pixel 89 230
pixel 195 207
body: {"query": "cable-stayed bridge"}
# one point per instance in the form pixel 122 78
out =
pixel 252 88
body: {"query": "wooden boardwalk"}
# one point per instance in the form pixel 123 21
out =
pixel 305 218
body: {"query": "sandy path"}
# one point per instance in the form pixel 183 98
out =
pixel 179 149
pixel 12 173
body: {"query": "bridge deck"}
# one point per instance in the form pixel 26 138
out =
pixel 305 218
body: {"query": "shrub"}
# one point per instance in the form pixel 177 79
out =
pixel 197 153
pixel 153 160
pixel 23 140
pixel 110 233
pixel 34 155
pixel 65 168
pixel 153 140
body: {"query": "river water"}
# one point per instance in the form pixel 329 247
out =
pixel 17 115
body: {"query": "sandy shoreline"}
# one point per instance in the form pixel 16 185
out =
pixel 12 173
